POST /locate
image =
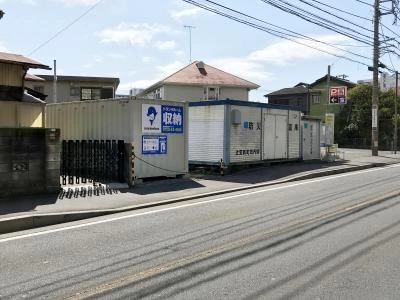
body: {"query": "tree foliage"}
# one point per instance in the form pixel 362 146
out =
pixel 353 125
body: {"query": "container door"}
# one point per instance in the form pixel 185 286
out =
pixel 307 140
pixel 269 137
pixel 281 134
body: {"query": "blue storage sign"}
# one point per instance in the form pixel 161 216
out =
pixel 154 144
pixel 172 119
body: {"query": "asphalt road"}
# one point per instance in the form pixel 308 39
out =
pixel 334 237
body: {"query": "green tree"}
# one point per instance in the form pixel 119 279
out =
pixel 353 126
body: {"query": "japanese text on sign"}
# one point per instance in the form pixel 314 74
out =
pixel 247 151
pixel 153 144
pixel 172 119
pixel 338 95
pixel 250 125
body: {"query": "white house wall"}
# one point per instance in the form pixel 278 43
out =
pixel 245 138
pixel 196 93
pixel 183 93
pixel 234 93
pixel 206 133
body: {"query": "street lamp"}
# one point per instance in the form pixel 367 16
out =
pixel 1 13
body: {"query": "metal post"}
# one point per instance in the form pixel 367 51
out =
pixel 395 112
pixel 55 82
pixel 328 83
pixel 375 84
pixel 190 41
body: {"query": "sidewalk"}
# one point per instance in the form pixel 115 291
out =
pixel 79 203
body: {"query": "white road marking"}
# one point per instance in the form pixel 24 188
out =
pixel 201 202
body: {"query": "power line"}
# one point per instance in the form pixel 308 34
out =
pixel 268 30
pixel 292 33
pixel 343 11
pixel 66 27
pixel 336 16
pixel 365 3
pixel 315 19
pixel 390 57
pixel 297 11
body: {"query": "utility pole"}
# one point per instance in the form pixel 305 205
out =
pixel 190 41
pixel 375 83
pixel 395 113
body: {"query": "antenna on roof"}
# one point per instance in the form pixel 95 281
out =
pixel 190 41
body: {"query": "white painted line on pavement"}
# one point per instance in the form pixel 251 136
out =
pixel 71 227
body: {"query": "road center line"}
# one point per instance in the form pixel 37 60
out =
pixel 113 219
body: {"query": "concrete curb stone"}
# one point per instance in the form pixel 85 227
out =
pixel 13 224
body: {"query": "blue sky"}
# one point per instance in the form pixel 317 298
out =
pixel 142 42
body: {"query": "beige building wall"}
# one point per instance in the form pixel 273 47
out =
pixel 11 74
pixel 64 89
pixel 196 93
pixel 15 114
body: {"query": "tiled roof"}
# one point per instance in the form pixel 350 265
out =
pixel 289 91
pixel 333 78
pixel 21 60
pixel 199 73
pixel 114 80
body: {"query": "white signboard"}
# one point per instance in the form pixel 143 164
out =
pixel 374 117
pixel 329 128
pixel 154 144
pixel 151 118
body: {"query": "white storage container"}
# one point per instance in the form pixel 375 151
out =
pixel 156 131
pixel 242 132
pixel 310 131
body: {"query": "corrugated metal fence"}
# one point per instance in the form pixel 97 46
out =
pixel 92 161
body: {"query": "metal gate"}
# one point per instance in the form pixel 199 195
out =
pixel 92 161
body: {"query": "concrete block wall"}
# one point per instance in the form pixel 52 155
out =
pixel 29 161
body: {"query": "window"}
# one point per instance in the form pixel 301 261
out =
pixel 157 94
pixel 316 99
pixel 96 93
pixel 211 93
pixel 74 91
pixel 39 89
pixel 86 94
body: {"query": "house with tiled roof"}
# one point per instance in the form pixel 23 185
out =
pixel 299 95
pixel 199 81
pixel 73 88
pixel 19 108
pixel 312 98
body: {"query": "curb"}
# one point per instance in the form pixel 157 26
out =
pixel 35 221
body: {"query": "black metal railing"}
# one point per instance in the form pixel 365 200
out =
pixel 92 161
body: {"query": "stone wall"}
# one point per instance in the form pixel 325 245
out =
pixel 29 161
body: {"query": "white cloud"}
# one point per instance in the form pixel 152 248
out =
pixel 169 69
pixel 243 67
pixel 161 72
pixel 71 3
pixel 185 12
pixel 146 59
pixel 3 48
pixel 167 45
pixel 124 88
pixel 283 52
pixel 135 34
pixel 116 55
